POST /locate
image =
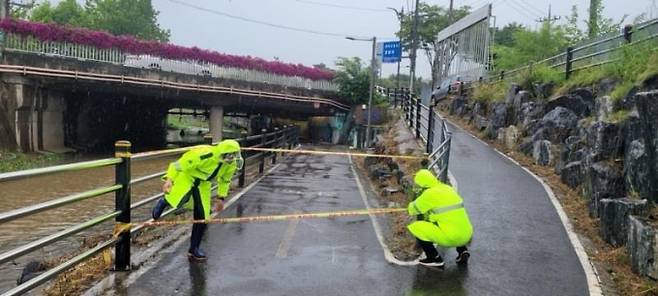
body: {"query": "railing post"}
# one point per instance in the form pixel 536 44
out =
pixel 275 144
pixel 568 64
pixel 430 129
pixel 502 75
pixel 628 33
pixel 446 162
pixel 418 113
pixel 122 203
pixel 261 165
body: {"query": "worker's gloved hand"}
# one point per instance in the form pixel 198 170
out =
pixel 166 187
pixel 219 205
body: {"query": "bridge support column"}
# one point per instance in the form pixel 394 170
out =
pixel 216 122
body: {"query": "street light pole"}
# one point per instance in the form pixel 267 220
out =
pixel 373 74
pixel 414 46
pixel 372 88
pixel 400 15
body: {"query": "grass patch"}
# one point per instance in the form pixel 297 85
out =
pixel 490 92
pixel 538 74
pixel 16 161
pixel 588 78
pixel 185 121
pixel 619 116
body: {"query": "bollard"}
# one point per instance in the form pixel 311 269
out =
pixel 122 203
pixel 261 165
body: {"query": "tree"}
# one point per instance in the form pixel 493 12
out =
pixel 571 30
pixel 530 46
pixel 119 17
pixel 598 24
pixel 353 79
pixel 432 19
pixel 67 12
pixel 505 36
pixel 133 17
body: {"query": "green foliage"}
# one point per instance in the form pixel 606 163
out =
pixel 490 92
pixel 120 17
pixel 585 78
pixel 538 74
pixel 354 80
pixel 571 30
pixel 530 46
pixel 505 36
pixel 432 20
pixel 619 116
pixel 16 161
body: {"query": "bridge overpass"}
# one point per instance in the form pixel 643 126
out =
pixel 57 93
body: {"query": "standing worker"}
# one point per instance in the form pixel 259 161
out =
pixel 445 221
pixel 188 184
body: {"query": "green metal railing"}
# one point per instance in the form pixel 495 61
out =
pixel 286 137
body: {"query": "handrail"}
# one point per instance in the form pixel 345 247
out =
pixel 33 209
pixel 278 138
pixel 58 169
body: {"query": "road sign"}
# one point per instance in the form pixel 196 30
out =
pixel 391 52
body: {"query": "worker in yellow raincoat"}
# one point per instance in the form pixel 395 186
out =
pixel 445 221
pixel 188 182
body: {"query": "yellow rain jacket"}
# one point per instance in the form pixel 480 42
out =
pixel 446 221
pixel 198 166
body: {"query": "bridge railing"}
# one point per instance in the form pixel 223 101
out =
pixel 428 126
pixel 284 138
pixel 14 42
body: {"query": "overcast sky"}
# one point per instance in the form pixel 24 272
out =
pixel 194 27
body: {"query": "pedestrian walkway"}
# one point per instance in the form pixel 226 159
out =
pixel 520 246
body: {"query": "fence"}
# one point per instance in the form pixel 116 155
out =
pixel 288 136
pixel 588 54
pixel 14 42
pixel 428 126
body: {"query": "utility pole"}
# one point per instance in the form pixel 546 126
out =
pixel 550 19
pixel 414 46
pixel 400 16
pixel 450 14
pixel 593 24
pixel 4 9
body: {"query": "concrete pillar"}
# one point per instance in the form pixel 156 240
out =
pixel 216 122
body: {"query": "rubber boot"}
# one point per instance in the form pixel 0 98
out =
pixel 160 206
pixel 195 251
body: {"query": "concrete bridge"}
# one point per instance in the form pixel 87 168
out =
pixel 55 95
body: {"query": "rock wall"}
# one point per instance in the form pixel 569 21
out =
pixel 608 150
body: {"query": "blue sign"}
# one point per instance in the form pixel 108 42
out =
pixel 391 52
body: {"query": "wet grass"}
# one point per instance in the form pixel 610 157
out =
pixel 16 161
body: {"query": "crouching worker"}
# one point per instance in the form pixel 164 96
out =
pixel 188 182
pixel 445 221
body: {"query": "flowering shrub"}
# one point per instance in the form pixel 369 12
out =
pixel 128 44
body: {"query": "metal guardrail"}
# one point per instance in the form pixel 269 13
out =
pixel 286 137
pixel 14 42
pixel 428 126
pixel 588 54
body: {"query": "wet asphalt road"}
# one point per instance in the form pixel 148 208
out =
pixel 519 247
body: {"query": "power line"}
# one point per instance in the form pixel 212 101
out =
pixel 531 6
pixel 284 27
pixel 519 11
pixel 515 3
pixel 342 6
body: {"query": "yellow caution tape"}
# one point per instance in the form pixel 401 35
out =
pixel 125 227
pixel 334 153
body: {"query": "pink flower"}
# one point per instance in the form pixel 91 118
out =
pixel 128 44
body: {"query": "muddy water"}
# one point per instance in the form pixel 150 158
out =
pixel 26 192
